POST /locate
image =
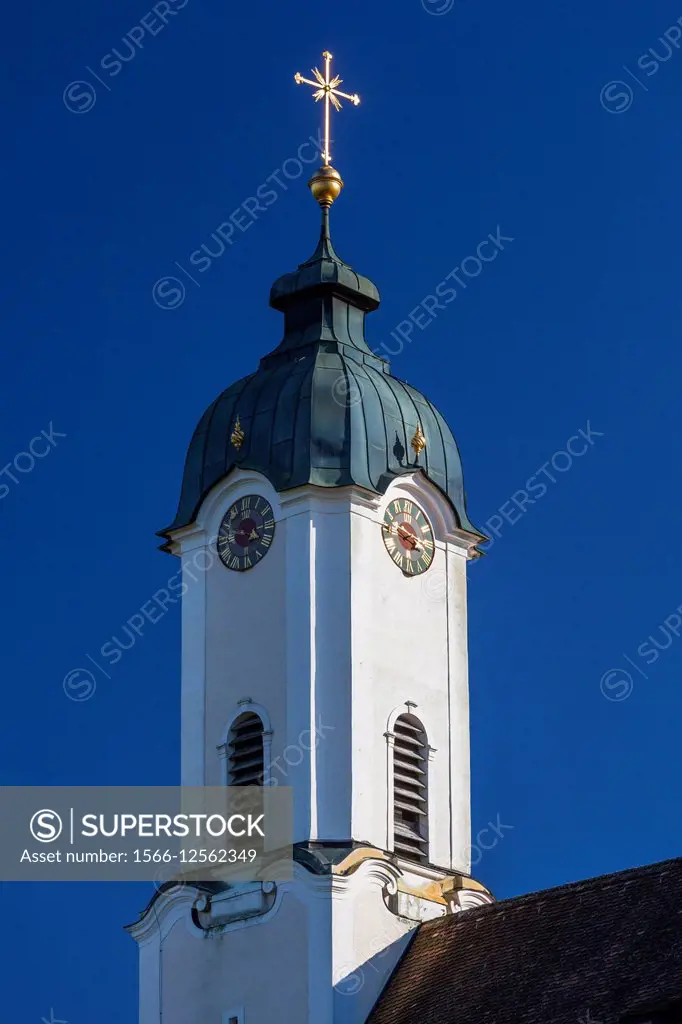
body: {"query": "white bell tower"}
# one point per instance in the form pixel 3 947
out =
pixel 323 536
pixel 331 644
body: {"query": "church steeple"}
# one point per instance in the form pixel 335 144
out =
pixel 323 408
pixel 324 540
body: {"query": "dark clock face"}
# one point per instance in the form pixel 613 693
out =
pixel 246 533
pixel 408 536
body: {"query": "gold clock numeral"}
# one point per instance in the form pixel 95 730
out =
pixel 408 536
pixel 260 532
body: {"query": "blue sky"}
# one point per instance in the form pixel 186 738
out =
pixel 553 124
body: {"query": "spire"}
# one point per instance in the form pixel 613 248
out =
pixel 322 408
pixel 324 275
pixel 325 249
pixel 315 297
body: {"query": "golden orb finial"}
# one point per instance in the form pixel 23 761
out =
pixel 326 185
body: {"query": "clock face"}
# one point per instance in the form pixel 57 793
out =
pixel 408 536
pixel 246 533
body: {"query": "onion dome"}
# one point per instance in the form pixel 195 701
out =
pixel 322 408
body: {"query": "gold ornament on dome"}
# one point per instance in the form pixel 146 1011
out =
pixel 237 437
pixel 418 442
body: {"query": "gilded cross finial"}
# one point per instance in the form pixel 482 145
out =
pixel 327 89
pixel 418 442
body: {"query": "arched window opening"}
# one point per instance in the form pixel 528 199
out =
pixel 410 791
pixel 245 751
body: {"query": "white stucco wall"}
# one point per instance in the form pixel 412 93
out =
pixel 320 955
pixel 262 967
pixel 409 644
pixel 330 637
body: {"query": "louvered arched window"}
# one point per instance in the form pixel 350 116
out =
pixel 410 789
pixel 245 756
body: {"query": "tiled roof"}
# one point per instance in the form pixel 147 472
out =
pixel 590 952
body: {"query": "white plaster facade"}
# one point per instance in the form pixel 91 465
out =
pixel 315 950
pixel 328 642
pixel 331 641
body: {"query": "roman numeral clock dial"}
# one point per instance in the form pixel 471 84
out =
pixel 246 533
pixel 408 536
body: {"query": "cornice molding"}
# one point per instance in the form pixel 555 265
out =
pixel 163 910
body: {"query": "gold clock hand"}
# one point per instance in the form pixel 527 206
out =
pixel 404 536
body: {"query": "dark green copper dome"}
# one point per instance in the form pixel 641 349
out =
pixel 321 408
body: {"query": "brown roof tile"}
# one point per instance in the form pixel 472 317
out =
pixel 585 953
